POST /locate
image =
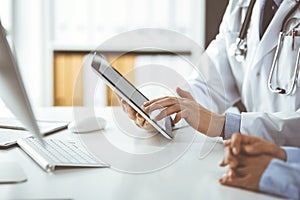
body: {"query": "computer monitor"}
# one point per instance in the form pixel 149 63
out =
pixel 12 90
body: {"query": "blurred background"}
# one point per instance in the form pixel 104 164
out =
pixel 52 37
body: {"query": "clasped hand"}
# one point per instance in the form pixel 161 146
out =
pixel 247 157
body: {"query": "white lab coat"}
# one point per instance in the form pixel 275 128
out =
pixel 223 80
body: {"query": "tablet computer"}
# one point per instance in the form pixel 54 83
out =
pixel 122 87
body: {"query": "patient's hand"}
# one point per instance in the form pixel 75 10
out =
pixel 248 173
pixel 247 158
pixel 249 145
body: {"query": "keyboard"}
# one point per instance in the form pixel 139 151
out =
pixel 57 153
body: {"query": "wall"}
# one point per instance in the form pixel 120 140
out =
pixel 214 13
pixel 29 41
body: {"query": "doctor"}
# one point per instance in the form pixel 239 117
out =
pixel 246 65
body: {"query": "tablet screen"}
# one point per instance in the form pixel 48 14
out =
pixel 129 93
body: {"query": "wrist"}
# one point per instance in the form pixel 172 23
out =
pixel 216 125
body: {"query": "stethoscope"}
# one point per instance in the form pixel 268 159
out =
pixel 239 49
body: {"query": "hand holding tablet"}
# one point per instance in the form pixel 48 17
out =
pixel 135 116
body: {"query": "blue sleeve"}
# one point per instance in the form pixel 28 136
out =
pixel 232 124
pixel 281 178
pixel 292 154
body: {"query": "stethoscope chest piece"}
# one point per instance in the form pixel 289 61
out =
pixel 239 49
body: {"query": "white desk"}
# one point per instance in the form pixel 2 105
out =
pixel 189 177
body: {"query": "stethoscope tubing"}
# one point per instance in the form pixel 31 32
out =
pixel 289 14
pixel 280 90
pixel 246 23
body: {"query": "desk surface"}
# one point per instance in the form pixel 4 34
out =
pixel 193 174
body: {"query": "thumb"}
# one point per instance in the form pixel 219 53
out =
pixel 183 93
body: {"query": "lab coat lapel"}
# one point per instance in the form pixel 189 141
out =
pixel 243 3
pixel 270 38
